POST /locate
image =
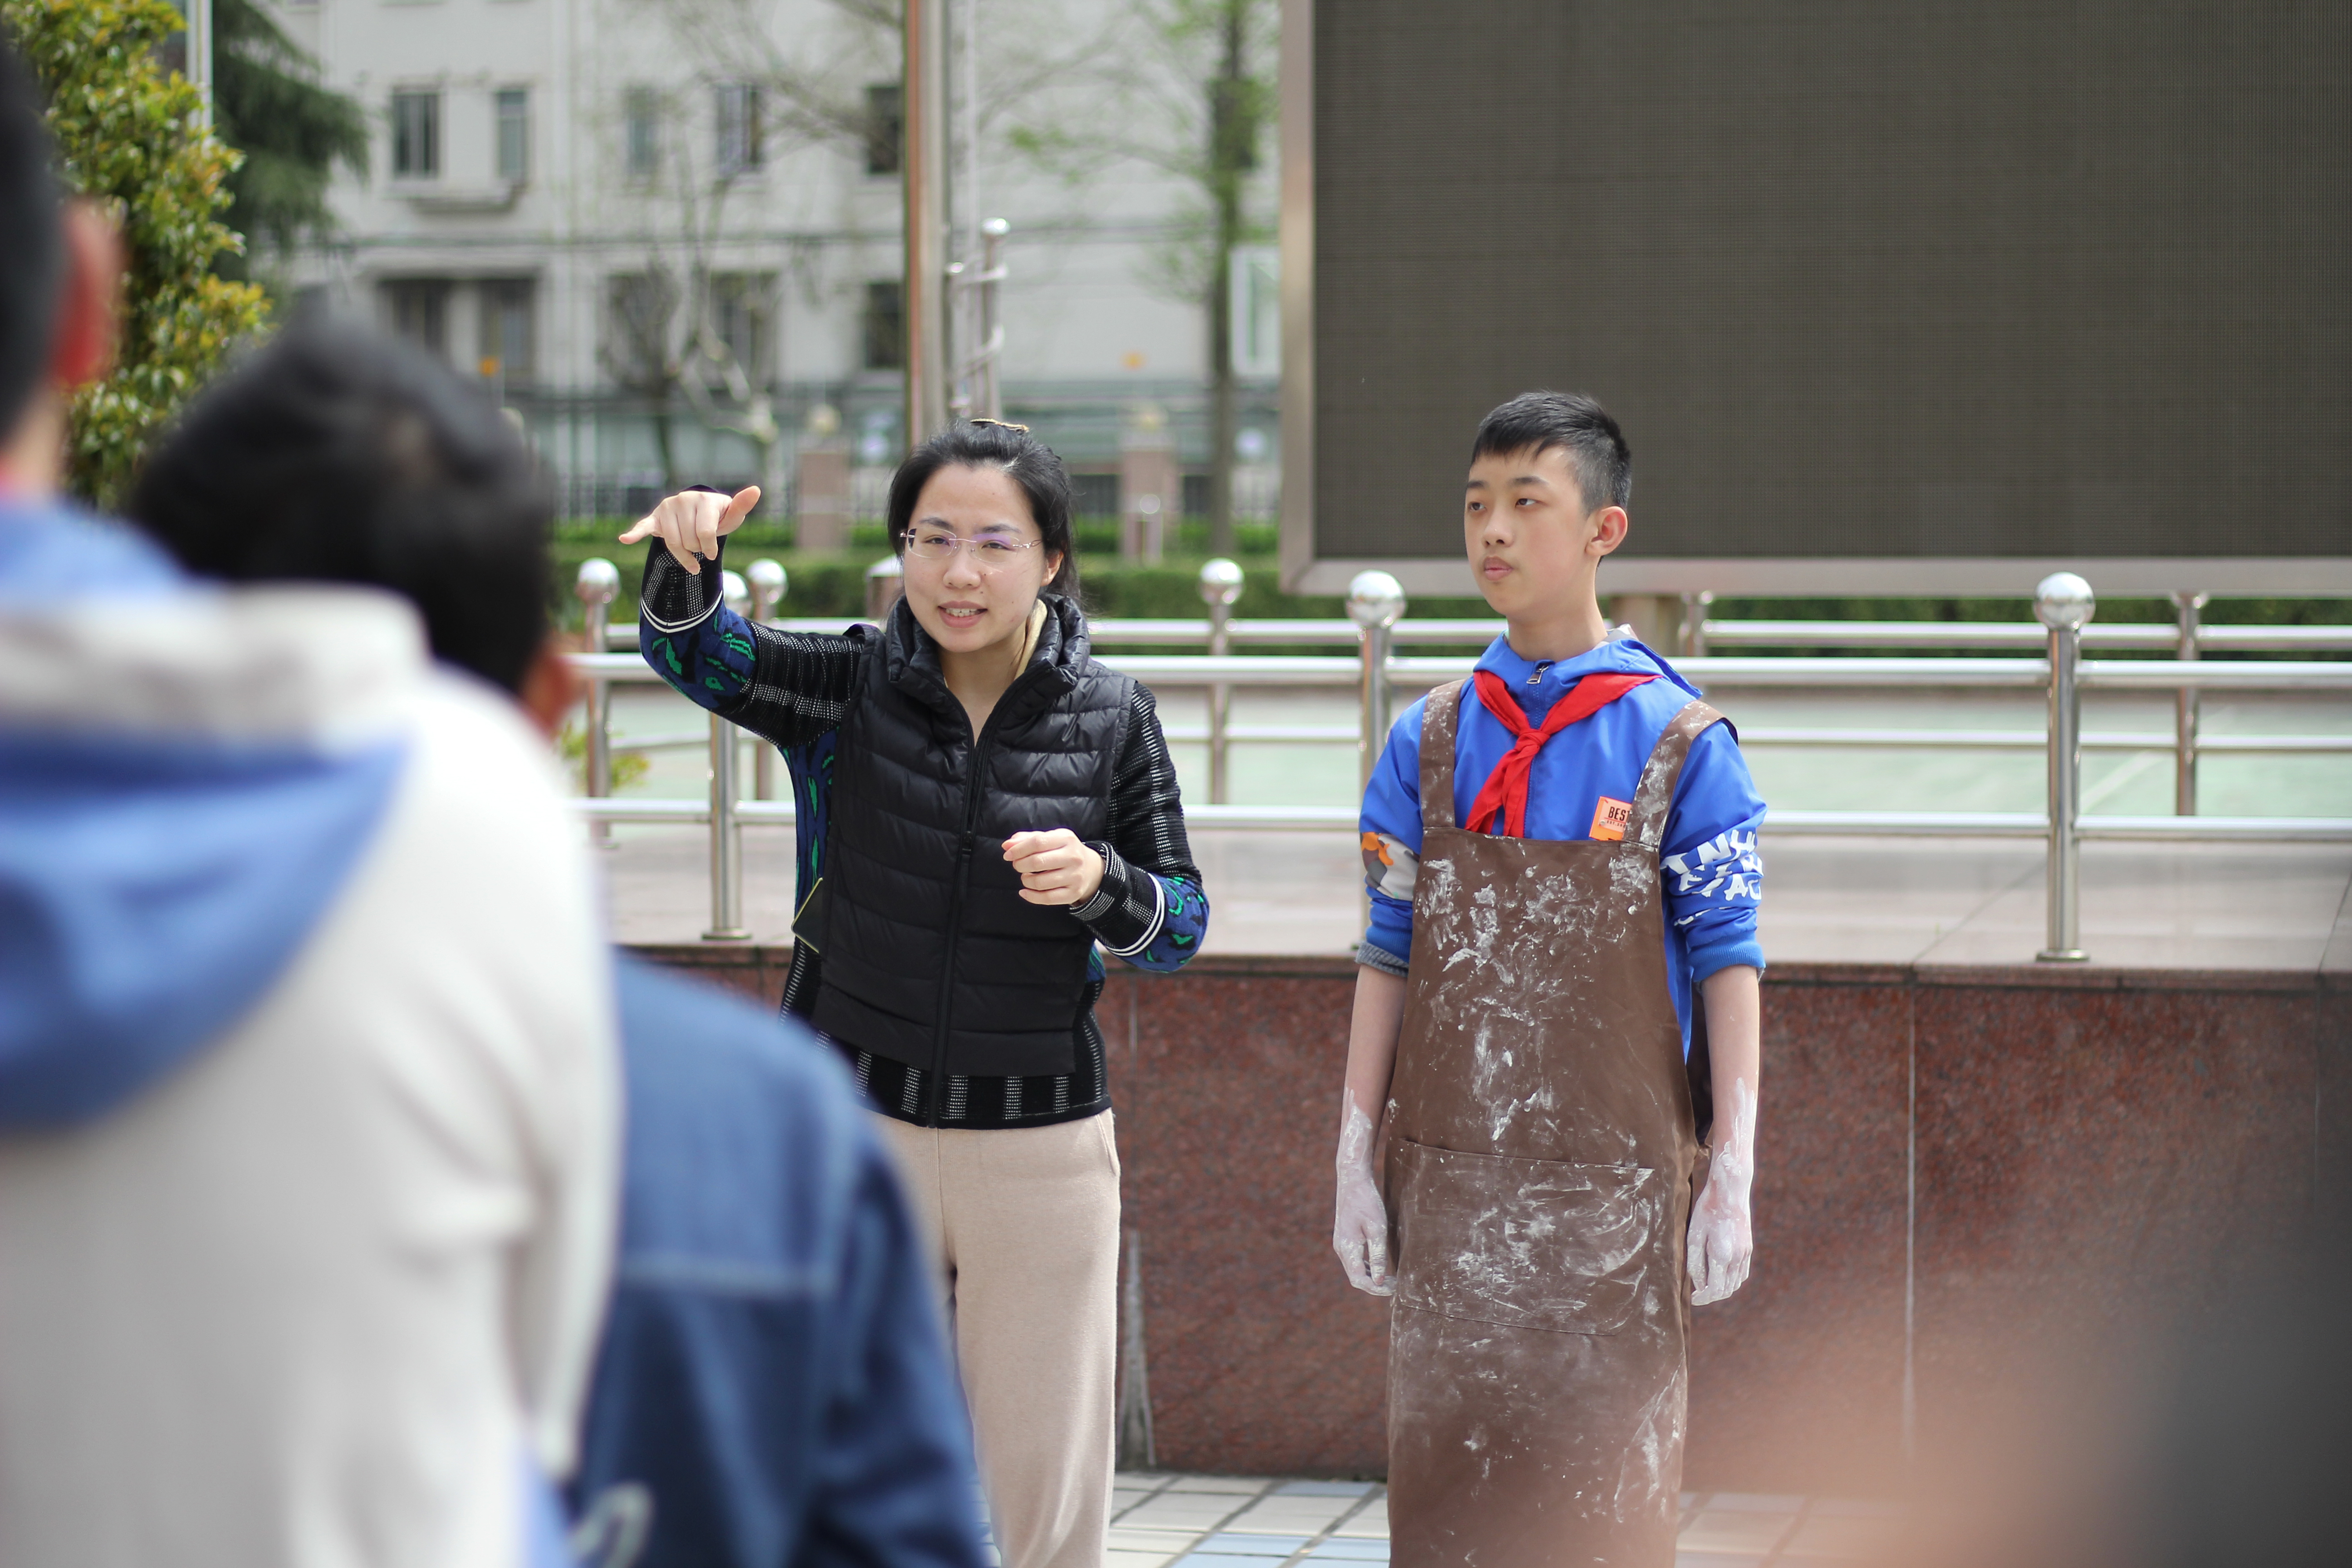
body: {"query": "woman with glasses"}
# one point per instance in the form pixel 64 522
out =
pixel 983 811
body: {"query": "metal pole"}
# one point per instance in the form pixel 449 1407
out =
pixel 885 580
pixel 2064 604
pixel 598 582
pixel 726 790
pixel 726 839
pixel 1136 1449
pixel 991 335
pixel 922 165
pixel 2185 712
pixel 1375 603
pixel 1220 588
pixel 200 50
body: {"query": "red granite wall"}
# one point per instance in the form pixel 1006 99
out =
pixel 2095 1152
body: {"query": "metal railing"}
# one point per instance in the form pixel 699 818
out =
pixel 2063 604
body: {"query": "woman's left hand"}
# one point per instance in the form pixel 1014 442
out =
pixel 1054 867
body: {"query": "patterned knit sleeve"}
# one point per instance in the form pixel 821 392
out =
pixel 786 687
pixel 1150 909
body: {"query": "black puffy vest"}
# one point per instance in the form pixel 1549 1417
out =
pixel 930 957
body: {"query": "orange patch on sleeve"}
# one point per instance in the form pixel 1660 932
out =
pixel 1609 817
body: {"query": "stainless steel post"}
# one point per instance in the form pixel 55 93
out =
pixel 1375 603
pixel 992 333
pixel 2064 604
pixel 598 582
pixel 726 838
pixel 922 176
pixel 1220 588
pixel 1136 1449
pixel 2185 713
pixel 767 580
pixel 885 581
pixel 199 56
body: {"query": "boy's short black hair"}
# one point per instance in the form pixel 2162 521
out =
pixel 32 242
pixel 338 454
pixel 1539 421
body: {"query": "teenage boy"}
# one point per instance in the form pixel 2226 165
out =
pixel 308 1088
pixel 773 1386
pixel 1561 853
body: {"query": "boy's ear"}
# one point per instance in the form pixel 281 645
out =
pixel 82 345
pixel 1608 525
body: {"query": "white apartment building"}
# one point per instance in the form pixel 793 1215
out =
pixel 654 224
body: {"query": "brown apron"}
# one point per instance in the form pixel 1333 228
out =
pixel 1540 1167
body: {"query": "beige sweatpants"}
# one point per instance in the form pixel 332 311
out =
pixel 1025 1221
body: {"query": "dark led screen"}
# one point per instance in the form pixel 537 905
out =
pixel 1908 280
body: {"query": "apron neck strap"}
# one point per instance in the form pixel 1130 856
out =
pixel 1439 717
pixel 1655 795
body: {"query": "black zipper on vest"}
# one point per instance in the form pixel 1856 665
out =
pixel 934 1082
pixel 937 1076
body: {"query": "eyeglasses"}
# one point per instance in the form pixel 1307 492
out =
pixel 999 424
pixel 991 551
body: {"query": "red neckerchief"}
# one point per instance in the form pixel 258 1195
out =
pixel 1504 792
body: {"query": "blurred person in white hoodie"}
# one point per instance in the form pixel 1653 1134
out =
pixel 307 1082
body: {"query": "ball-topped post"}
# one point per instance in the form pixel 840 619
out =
pixel 1375 603
pixel 885 581
pixel 596 586
pixel 1221 590
pixel 2064 604
pixel 767 580
pixel 1221 582
pixel 1375 599
pixel 598 580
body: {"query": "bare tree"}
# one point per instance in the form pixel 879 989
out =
pixel 1192 97
pixel 663 339
pixel 814 84
pixel 825 84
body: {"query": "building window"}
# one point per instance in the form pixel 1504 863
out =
pixel 885 325
pixel 417 135
pixel 507 335
pixel 514 133
pixel 641 132
pixel 742 311
pixel 417 309
pixel 736 106
pixel 886 128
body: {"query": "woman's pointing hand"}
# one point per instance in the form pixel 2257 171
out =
pixel 692 523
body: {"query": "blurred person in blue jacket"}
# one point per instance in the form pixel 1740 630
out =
pixel 773 1387
pixel 307 1084
pixel 1562 858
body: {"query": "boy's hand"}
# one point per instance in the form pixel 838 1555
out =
pixel 692 523
pixel 1359 1220
pixel 1054 867
pixel 1359 1233
pixel 1722 1239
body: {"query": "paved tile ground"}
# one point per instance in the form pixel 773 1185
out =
pixel 1162 1520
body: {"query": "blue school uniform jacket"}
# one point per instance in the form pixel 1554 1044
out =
pixel 773 1388
pixel 1714 879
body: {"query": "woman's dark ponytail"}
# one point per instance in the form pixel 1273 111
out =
pixel 990 443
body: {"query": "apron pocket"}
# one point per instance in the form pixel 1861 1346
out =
pixel 1524 1243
